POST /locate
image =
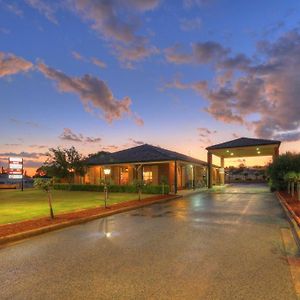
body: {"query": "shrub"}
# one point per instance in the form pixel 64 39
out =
pixel 146 189
pixel 285 163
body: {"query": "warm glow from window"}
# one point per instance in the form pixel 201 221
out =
pixel 147 175
pixel 124 176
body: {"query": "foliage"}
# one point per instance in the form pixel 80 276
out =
pixel 146 189
pixel 285 163
pixel 46 185
pixel 43 184
pixel 64 163
pixel 291 176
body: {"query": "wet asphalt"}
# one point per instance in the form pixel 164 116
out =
pixel 224 245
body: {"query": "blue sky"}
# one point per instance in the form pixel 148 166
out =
pixel 49 46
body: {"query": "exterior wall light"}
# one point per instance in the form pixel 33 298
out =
pixel 106 171
pixel 231 153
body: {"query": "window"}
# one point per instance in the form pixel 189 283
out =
pixel 124 176
pixel 147 174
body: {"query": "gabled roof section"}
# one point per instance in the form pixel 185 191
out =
pixel 140 154
pixel 243 142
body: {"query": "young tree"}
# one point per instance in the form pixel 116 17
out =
pixel 46 185
pixel 139 186
pixel 64 163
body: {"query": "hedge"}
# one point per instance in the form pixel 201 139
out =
pixel 147 189
pixel 285 163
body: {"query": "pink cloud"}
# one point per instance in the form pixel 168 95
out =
pixel 11 64
pixel 94 94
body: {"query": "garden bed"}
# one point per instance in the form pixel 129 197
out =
pixel 292 204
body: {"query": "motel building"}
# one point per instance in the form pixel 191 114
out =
pixel 153 165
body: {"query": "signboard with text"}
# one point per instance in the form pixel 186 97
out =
pixel 15 168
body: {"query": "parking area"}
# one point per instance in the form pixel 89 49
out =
pixel 211 245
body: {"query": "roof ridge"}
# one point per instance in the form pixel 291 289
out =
pixel 159 150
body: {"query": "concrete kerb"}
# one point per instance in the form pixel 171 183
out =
pixel 292 218
pixel 30 233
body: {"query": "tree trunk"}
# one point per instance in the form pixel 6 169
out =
pixel 50 205
pixel 293 188
pixel 139 194
pixel 289 187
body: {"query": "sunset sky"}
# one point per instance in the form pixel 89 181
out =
pixel 181 74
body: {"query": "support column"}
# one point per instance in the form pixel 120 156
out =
pixel 276 153
pixel 209 175
pixel 222 172
pixel 193 176
pixel 175 177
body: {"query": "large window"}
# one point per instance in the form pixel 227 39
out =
pixel 124 176
pixel 147 174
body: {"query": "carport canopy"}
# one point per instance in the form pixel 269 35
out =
pixel 241 147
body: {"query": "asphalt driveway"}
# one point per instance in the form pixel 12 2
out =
pixel 206 246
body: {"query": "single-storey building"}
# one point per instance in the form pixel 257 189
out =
pixel 153 165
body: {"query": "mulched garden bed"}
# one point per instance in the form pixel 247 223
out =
pixel 292 202
pixel 9 229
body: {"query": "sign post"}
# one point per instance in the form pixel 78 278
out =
pixel 15 169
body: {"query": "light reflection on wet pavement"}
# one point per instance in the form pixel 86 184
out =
pixel 206 246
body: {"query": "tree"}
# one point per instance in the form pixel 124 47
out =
pixel 285 163
pixel 64 163
pixel 139 186
pixel 46 185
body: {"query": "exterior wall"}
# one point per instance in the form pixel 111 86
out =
pixel 163 172
pixel 215 176
pixel 171 175
pixel 200 176
pixel 115 175
pixel 160 172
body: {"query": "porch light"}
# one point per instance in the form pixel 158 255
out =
pixel 258 152
pixel 106 171
pixel 231 153
pixel 227 151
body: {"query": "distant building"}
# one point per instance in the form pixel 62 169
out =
pixel 6 182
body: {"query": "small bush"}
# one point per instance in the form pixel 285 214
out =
pixel 284 164
pixel 146 189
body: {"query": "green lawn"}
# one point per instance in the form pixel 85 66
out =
pixel 16 205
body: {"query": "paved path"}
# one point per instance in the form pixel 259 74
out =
pixel 206 246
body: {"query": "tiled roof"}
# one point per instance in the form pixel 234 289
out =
pixel 139 154
pixel 243 142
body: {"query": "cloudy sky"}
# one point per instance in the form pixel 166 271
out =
pixel 182 74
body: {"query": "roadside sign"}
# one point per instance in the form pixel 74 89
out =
pixel 15 167
pixel 13 176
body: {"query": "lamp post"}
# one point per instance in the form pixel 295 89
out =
pixel 106 172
